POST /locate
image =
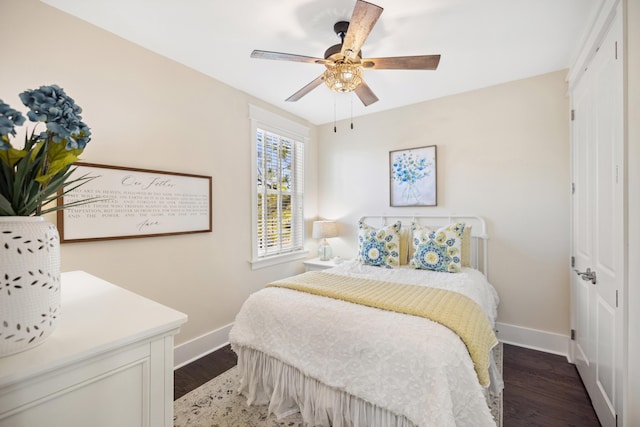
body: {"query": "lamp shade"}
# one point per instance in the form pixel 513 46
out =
pixel 324 229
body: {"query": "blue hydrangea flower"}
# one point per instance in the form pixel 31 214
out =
pixel 51 105
pixel 9 119
pixel 32 177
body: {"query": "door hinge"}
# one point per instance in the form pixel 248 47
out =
pixel 573 114
pixel 573 188
pixel 616 298
pixel 573 335
pixel 573 261
pixel 616 51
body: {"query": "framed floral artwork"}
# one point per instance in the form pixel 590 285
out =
pixel 412 175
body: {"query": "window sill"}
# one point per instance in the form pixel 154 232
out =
pixel 277 259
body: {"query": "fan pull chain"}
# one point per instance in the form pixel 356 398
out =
pixel 351 102
pixel 335 130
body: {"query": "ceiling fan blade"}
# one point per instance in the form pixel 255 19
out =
pixel 365 94
pixel 423 62
pixel 305 90
pixel 265 54
pixel 364 17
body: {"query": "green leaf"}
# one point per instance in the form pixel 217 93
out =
pixel 5 207
pixel 12 155
pixel 58 159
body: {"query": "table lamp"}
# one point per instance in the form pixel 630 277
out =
pixel 324 230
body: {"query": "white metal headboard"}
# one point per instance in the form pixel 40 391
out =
pixel 479 238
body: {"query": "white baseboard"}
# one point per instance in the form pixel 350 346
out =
pixel 196 348
pixel 534 339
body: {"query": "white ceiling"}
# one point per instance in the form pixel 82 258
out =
pixel 482 43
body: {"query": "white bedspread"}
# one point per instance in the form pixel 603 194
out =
pixel 406 364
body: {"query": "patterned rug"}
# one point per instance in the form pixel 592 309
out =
pixel 217 404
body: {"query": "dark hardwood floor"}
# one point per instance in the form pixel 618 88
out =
pixel 196 373
pixel 541 389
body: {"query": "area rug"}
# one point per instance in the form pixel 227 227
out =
pixel 217 404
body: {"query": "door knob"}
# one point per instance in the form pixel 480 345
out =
pixel 587 275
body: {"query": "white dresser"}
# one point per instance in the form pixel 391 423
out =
pixel 108 363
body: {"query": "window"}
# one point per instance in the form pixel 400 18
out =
pixel 278 188
pixel 279 193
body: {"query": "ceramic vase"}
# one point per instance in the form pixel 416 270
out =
pixel 29 282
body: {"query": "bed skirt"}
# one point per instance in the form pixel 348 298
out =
pixel 265 380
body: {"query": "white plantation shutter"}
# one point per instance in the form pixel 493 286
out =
pixel 278 188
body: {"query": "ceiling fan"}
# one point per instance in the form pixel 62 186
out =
pixel 344 62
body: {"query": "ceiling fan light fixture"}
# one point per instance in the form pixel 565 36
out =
pixel 343 77
pixel 344 61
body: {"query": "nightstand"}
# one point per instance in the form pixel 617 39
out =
pixel 316 264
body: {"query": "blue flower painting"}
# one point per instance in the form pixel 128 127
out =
pixel 413 176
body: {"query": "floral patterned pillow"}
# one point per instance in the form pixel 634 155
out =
pixel 437 250
pixel 379 247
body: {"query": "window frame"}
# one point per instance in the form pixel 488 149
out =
pixel 274 123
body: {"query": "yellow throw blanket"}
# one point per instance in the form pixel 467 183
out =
pixel 455 311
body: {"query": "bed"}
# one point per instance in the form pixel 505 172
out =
pixel 344 357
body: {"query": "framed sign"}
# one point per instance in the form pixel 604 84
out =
pixel 135 203
pixel 412 176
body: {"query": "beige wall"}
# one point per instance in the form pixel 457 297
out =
pixel 149 112
pixel 502 153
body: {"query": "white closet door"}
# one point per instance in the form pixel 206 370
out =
pixel 597 225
